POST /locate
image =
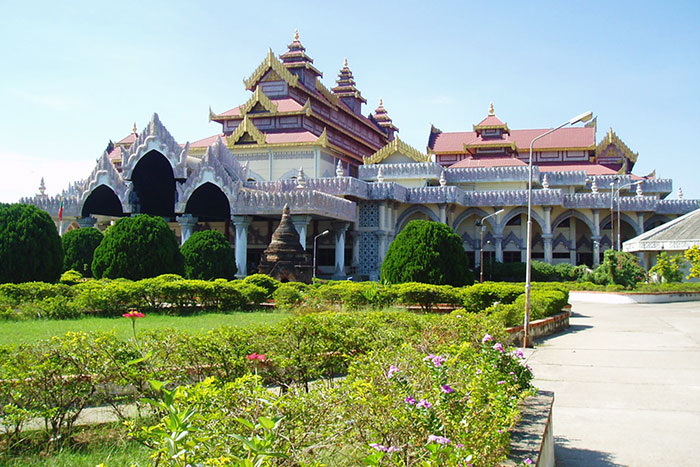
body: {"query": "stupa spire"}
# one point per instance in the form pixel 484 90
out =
pixel 347 90
pixel 383 120
pixel 295 57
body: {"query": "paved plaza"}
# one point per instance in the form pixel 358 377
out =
pixel 626 380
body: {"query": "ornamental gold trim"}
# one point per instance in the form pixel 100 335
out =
pixel 611 139
pixel 246 126
pixel 396 146
pixel 258 97
pixel 270 62
pixel 332 98
pixel 510 145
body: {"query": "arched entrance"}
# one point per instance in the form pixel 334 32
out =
pixel 209 204
pixel 154 186
pixel 102 200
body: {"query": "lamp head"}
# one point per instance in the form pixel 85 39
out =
pixel 325 232
pixel 584 117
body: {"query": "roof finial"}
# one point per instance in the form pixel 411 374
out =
pixel 345 62
pixel 296 34
pixel 680 193
pixel 301 179
pixel 491 111
pixel 135 129
pixel 381 102
pixel 339 172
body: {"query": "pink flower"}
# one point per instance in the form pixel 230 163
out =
pixel 446 389
pixel 487 338
pixel 478 371
pixel 392 370
pixel 528 461
pixel 501 382
pixel 499 347
pixel 409 400
pixel 260 357
pixel 424 404
pixel 519 353
pixel 438 439
pixel 382 448
pixel 134 314
pixel 436 359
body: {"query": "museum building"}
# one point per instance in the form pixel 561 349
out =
pixel 295 142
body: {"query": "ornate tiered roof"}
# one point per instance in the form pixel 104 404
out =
pixel 346 84
pixel 296 57
pixel 491 122
pixel 382 118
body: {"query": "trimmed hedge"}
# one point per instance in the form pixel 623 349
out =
pixel 79 247
pixel 208 255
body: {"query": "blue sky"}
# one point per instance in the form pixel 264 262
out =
pixel 77 74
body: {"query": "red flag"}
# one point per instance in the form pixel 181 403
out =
pixel 60 212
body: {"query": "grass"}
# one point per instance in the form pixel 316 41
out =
pixel 91 446
pixel 19 332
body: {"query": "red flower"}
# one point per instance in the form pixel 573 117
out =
pixel 133 314
pixel 256 357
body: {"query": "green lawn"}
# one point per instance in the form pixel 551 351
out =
pixel 16 332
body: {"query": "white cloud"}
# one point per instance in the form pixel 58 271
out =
pixel 21 174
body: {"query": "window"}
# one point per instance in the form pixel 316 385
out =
pixel 515 221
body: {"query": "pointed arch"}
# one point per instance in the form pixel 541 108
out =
pixel 479 213
pixel 576 215
pixel 208 203
pixel 102 200
pixel 153 186
pixel 623 218
pixel 520 210
pixel 403 218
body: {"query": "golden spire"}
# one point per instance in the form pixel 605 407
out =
pixel 296 34
pixel 135 129
pixel 491 111
pixel 345 62
pixel 381 103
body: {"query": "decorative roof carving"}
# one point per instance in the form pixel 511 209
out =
pixel 330 97
pixel 219 167
pixel 491 122
pixel 396 146
pixel 155 137
pixel 246 126
pixel 611 139
pixel 270 62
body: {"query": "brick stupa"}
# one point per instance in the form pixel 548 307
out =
pixel 284 258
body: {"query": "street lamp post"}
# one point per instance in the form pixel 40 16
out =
pixel 612 212
pixel 483 230
pixel 619 230
pixel 325 232
pixel 584 117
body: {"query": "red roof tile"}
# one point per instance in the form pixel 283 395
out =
pixel 491 120
pixel 203 143
pixel 115 154
pixel 563 138
pixel 477 162
pixel 588 167
pixel 291 137
pixel 128 140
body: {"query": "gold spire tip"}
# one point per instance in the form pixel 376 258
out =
pixel 381 103
pixel 491 111
pixel 345 62
pixel 296 34
pixel 135 129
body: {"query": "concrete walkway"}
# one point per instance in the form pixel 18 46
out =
pixel 626 380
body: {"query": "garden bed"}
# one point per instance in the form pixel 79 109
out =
pixel 532 437
pixel 541 327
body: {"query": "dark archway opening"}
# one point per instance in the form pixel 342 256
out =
pixel 154 186
pixel 209 204
pixel 102 201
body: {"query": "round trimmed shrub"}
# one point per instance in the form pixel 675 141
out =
pixel 30 247
pixel 270 284
pixel 78 247
pixel 208 255
pixel 137 247
pixel 428 252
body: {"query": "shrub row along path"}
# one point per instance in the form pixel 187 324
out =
pixel 627 384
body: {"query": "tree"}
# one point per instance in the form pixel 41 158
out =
pixel 693 257
pixel 428 252
pixel 622 268
pixel 668 268
pixel 137 247
pixel 208 255
pixel 30 247
pixel 78 248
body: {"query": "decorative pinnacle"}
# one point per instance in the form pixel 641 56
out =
pixel 345 62
pixel 443 180
pixel 296 34
pixel 491 111
pixel 381 102
pixel 135 129
pixel 339 172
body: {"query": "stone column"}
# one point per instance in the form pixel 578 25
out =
pixel 499 247
pixel 640 222
pixel 355 237
pixel 339 229
pixel 187 223
pixel 89 221
pixel 596 223
pixel 572 240
pixel 301 223
pixel 242 223
pixel 443 213
pixel 547 227
pixel 596 249
pixel 547 240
